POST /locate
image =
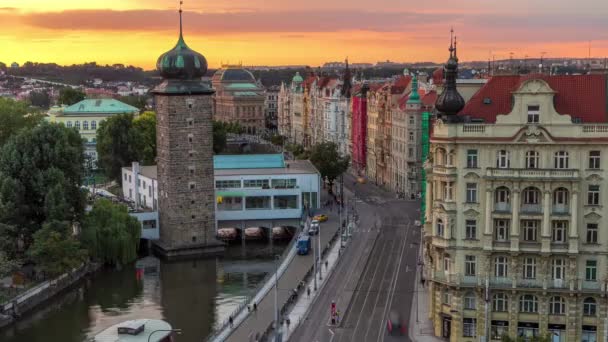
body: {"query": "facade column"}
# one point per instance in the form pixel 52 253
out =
pixel 488 220
pixel 546 234
pixel 573 241
pixel 515 221
pixel 429 200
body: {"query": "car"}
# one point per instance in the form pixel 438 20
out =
pixel 314 228
pixel 321 218
pixel 395 324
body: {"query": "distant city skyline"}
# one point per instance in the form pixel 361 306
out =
pixel 275 32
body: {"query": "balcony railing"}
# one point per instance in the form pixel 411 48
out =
pixel 558 284
pixel 531 209
pixel 536 174
pixel 501 282
pixel 590 285
pixel 530 283
pixel 502 207
pixel 444 170
pixel 560 209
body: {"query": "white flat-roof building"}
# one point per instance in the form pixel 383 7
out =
pixel 250 190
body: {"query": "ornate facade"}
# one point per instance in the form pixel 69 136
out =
pixel 513 238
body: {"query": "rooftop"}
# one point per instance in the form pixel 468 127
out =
pixel 242 86
pixel 100 106
pixel 151 325
pixel 582 96
pixel 248 161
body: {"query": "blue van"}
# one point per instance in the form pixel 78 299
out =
pixel 303 244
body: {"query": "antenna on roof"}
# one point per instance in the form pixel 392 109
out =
pixel 540 66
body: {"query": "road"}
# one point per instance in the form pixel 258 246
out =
pixel 376 275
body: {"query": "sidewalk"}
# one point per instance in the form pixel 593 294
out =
pixel 304 303
pixel 421 328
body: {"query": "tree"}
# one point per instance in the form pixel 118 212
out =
pixel 328 161
pixel 115 145
pixel 110 233
pixel 145 137
pixel 40 177
pixel 40 99
pixel 219 136
pixel 55 250
pixel 14 116
pixel 137 101
pixel 68 96
pixel 7 265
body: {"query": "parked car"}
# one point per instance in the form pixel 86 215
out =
pixel 321 218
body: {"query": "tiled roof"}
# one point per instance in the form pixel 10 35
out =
pixel 100 106
pixel 403 100
pixel 581 96
pixel 399 86
pixel 429 99
pixel 438 76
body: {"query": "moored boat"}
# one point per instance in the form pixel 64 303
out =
pixel 138 330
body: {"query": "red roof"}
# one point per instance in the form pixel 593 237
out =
pixel 438 76
pixel 403 99
pixel 429 99
pixel 581 96
pixel 399 86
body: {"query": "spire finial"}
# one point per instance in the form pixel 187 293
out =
pixel 180 19
pixel 455 48
pixel 451 41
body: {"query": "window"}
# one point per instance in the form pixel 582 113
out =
pixel 69 124
pixel 559 231
pixel 591 233
pixel 125 176
pixel 77 125
pixel 284 183
pixel 447 191
pixel 533 114
pixel 192 185
pixel 558 269
pixel 471 229
pixel 469 328
pixel 286 202
pixel 499 329
pixel 529 269
pixel 528 303
pixel 502 199
pixel 230 203
pixel 557 306
pixel 501 230
pixel 472 159
pixel 469 265
pixel 561 160
pixel 501 267
pixel 594 160
pixel 531 196
pixel 85 125
pixel 591 270
pixel 471 193
pixel 93 125
pixel 446 264
pixel 532 160
pixel 412 120
pixel 257 202
pixel 446 297
pixel 411 136
pixel 530 230
pixel 500 302
pixel 589 307
pixel 560 197
pixel 227 184
pixel 502 160
pixel 469 301
pixel 255 183
pixel 440 228
pixel 593 195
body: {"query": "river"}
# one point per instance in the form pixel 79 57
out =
pixel 193 295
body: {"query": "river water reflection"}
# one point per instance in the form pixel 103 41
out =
pixel 191 295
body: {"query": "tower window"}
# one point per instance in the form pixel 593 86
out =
pixel 192 185
pixel 533 114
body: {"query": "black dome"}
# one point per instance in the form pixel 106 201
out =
pixel 181 62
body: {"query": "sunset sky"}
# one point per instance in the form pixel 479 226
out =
pixel 279 32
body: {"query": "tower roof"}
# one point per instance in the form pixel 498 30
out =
pixel 450 102
pixel 181 62
pixel 414 96
pixel 297 78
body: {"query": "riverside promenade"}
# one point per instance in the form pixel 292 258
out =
pixel 249 324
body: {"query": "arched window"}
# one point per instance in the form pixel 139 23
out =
pixel 469 301
pixel 531 196
pixel 589 307
pixel 532 160
pixel 500 302
pixel 502 198
pixel 440 227
pixel 502 159
pixel 528 303
pixel 557 306
pixel 560 196
pixel 561 160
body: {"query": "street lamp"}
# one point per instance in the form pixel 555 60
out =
pixel 178 331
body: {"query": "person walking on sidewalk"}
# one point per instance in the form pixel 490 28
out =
pixel 308 291
pixel 230 321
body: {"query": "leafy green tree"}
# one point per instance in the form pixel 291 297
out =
pixel 40 99
pixel 328 161
pixel 68 96
pixel 110 233
pixel 115 145
pixel 144 137
pixel 7 265
pixel 278 139
pixel 219 136
pixel 40 177
pixel 55 250
pixel 137 101
pixel 14 116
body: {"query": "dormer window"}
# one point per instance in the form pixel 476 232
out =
pixel 533 114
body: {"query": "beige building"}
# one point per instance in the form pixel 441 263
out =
pixel 513 239
pixel 239 99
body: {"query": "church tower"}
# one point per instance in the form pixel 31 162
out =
pixel 184 133
pixel 450 102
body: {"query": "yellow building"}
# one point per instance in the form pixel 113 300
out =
pixel 86 116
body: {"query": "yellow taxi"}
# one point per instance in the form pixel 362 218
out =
pixel 321 218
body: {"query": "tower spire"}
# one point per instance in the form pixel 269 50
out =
pixel 181 36
pixel 455 56
pixel 450 102
pixel 451 49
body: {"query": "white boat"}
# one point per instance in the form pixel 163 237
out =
pixel 138 330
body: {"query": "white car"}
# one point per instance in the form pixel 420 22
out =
pixel 314 228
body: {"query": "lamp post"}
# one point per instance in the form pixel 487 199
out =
pixel 276 291
pixel 319 267
pixel 178 331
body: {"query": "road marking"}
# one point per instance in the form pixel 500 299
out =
pixel 332 335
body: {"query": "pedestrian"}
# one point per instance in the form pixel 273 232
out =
pixel 326 265
pixel 248 308
pixel 337 316
pixel 230 321
pixel 308 291
pixel 288 321
pixel 255 307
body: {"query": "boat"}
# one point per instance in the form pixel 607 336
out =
pixel 227 234
pixel 254 233
pixel 138 330
pixel 281 233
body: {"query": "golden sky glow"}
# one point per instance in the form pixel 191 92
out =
pixel 279 32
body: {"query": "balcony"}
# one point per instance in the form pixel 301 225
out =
pixel 444 170
pixel 558 284
pixel 502 282
pixel 532 174
pixel 560 209
pixel 502 207
pixel 530 283
pixel 593 286
pixel 531 209
pixel 441 242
